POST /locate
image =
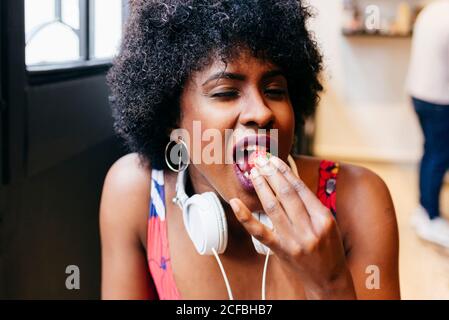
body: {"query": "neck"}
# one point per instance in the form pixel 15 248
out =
pixel 239 240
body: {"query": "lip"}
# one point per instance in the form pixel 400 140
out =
pixel 245 182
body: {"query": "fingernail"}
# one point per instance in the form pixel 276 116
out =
pixel 254 173
pixel 234 205
pixel 261 161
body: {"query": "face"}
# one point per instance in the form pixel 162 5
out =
pixel 223 109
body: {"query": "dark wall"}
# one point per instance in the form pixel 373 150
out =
pixel 51 219
pixel 52 222
pixel 65 118
pixel 56 145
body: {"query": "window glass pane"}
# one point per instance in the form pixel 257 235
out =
pixel 107 28
pixel 52 34
pixel 38 12
pixel 54 43
pixel 70 13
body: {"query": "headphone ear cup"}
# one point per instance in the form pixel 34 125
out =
pixel 205 222
pixel 259 246
pixel 219 217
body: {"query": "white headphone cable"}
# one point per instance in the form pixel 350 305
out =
pixel 264 275
pixel 228 287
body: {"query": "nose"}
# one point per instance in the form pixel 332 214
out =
pixel 256 113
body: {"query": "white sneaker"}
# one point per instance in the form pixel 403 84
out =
pixel 433 230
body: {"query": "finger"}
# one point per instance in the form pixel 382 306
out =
pixel 270 203
pixel 319 214
pixel 254 227
pixel 289 198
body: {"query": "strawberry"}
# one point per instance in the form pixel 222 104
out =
pixel 255 154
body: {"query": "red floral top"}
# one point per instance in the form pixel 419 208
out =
pixel 327 184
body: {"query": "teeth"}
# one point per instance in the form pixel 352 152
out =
pixel 252 147
pixel 246 174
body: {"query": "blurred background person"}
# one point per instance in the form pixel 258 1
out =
pixel 428 85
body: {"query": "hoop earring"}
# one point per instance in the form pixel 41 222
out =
pixel 177 153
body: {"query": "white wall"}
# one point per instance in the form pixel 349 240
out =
pixel 365 112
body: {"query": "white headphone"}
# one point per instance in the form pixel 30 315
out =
pixel 205 220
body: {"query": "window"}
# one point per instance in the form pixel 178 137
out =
pixel 107 28
pixel 67 32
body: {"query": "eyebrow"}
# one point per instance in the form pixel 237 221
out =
pixel 241 77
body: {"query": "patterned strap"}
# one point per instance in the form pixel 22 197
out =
pixel 158 252
pixel 327 184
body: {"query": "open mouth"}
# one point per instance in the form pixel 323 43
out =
pixel 245 153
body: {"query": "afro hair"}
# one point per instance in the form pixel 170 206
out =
pixel 165 41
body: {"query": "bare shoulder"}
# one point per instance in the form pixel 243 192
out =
pixel 361 190
pixel 367 223
pixel 363 199
pixel 367 218
pixel 129 171
pixel 365 211
pixel 123 225
pixel 125 196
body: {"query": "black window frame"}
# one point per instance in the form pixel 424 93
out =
pixel 87 65
pixel 3 142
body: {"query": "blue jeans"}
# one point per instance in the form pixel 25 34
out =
pixel 434 120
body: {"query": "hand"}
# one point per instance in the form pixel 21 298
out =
pixel 305 237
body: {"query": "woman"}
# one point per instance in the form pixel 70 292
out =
pixel 235 65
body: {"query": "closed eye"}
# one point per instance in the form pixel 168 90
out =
pixel 226 94
pixel 276 92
